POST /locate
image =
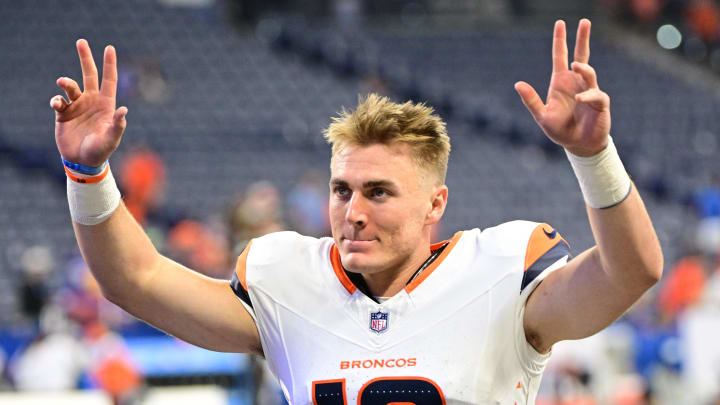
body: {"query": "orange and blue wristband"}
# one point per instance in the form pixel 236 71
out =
pixel 89 170
pixel 95 174
pixel 87 180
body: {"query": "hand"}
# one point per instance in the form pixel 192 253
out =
pixel 88 128
pixel 577 113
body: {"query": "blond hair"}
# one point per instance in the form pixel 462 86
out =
pixel 378 120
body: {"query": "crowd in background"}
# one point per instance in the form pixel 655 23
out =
pixel 661 352
pixel 698 20
pixel 77 338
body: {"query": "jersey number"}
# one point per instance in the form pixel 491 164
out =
pixel 381 391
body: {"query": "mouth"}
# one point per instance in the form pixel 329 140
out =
pixel 344 238
pixel 354 244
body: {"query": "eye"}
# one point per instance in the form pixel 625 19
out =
pixel 341 191
pixel 378 192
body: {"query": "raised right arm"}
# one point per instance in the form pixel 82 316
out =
pixel 130 271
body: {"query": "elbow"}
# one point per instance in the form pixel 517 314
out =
pixel 649 263
pixel 657 272
pixel 118 291
pixel 113 296
pixel 657 264
pixel 651 269
pixel 639 274
pixel 653 275
pixel 123 300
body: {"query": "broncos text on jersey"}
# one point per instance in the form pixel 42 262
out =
pixel 454 335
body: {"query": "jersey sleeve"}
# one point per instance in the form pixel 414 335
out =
pixel 546 252
pixel 545 247
pixel 238 282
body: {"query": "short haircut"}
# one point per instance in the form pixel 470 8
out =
pixel 377 120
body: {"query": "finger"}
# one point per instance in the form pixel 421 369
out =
pixel 587 72
pixel 119 124
pixel 595 98
pixel 582 42
pixel 530 98
pixel 90 74
pixel 58 103
pixel 109 78
pixel 71 88
pixel 560 51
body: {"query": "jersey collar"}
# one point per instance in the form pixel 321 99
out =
pixel 444 248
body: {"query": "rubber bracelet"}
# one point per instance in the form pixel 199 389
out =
pixel 82 168
pixel 87 180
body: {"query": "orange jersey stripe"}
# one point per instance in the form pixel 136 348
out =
pixel 241 266
pixel 439 390
pixel 339 271
pixel 543 238
pixel 426 273
pixel 351 288
pixel 87 180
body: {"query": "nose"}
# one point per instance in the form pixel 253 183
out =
pixel 356 211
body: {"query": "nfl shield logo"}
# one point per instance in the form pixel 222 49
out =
pixel 378 321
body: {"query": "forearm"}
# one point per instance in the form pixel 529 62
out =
pixel 179 301
pixel 628 247
pixel 130 271
pixel 118 252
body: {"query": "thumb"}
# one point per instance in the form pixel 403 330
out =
pixel 530 98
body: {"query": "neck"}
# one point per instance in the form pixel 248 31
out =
pixel 389 282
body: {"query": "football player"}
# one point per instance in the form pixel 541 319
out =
pixel 378 314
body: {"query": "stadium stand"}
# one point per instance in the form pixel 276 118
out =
pixel 271 107
pixel 237 111
pixel 224 107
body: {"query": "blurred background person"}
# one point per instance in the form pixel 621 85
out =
pixel 210 92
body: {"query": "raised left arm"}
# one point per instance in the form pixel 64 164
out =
pixel 600 284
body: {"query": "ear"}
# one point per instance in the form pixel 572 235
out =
pixel 438 202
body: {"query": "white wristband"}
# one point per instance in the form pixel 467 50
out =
pixel 91 204
pixel 602 177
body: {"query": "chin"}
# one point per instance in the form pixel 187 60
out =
pixel 360 263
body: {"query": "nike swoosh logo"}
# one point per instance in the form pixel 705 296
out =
pixel 550 235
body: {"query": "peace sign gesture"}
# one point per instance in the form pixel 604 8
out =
pixel 88 128
pixel 577 113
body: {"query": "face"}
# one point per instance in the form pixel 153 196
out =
pixel 382 206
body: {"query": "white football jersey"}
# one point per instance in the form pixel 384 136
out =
pixel 454 335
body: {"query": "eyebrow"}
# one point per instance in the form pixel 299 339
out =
pixel 367 184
